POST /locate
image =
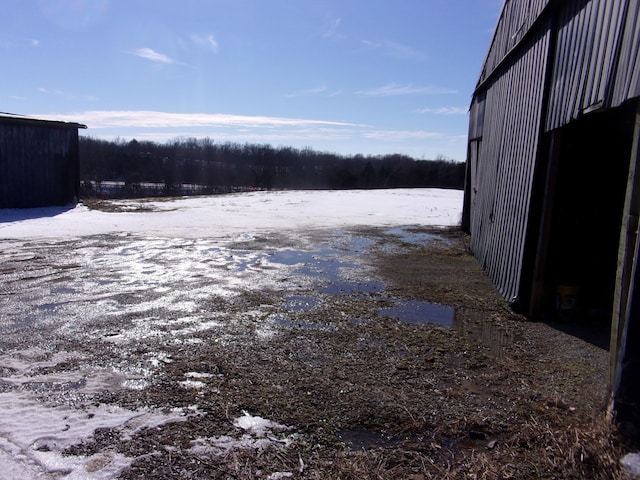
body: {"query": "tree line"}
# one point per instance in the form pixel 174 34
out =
pixel 142 168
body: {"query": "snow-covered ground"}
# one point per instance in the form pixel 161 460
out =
pixel 223 215
pixel 79 287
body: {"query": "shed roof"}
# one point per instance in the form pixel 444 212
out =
pixel 12 118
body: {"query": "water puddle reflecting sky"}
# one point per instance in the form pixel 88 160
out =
pixel 415 311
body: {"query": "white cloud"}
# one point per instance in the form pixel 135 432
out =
pixel 395 50
pixel 332 31
pixel 308 92
pixel 326 135
pixel 151 54
pixel 445 110
pixel 154 119
pixel 49 91
pixel 401 134
pixel 19 43
pixel 394 89
pixel 67 95
pixel 206 41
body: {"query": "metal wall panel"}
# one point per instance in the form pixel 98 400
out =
pixel 38 165
pixel 476 116
pixel 506 161
pixel 595 64
pixel 588 34
pixel 516 19
pixel 627 80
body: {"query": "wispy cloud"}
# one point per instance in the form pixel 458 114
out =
pixel 332 30
pixel 299 132
pixel 395 89
pixel 154 119
pixel 445 111
pixel 206 41
pixel 319 90
pixel 401 134
pixel 151 54
pixel 394 50
pixel 19 43
pixel 66 95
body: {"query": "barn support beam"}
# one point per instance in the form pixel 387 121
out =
pixel 625 325
pixel 538 293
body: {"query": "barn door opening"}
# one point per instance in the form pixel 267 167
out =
pixel 586 216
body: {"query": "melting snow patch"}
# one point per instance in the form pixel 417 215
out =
pixel 33 437
pixel 257 425
pixel 279 475
pixel 260 434
pixel 631 463
pixel 195 384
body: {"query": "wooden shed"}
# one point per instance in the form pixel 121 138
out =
pixel 39 163
pixel 552 192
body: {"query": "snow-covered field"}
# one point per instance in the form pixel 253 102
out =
pixel 80 288
pixel 246 213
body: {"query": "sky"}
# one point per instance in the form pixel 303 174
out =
pixel 368 77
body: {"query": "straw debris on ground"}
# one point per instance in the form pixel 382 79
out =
pixel 364 396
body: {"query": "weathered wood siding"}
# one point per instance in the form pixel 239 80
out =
pixel 38 163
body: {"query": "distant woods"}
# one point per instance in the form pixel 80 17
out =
pixel 200 166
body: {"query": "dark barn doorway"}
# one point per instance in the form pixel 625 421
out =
pixel 592 168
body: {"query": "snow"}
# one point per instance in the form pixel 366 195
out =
pixel 631 463
pixel 242 214
pixel 168 248
pixel 252 432
pixel 33 435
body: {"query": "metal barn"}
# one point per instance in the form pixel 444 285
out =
pixel 552 192
pixel 39 163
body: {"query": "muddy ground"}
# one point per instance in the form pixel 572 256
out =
pixel 373 354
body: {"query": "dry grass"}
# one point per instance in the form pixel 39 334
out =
pixel 495 397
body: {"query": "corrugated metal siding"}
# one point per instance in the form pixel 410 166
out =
pixel 476 116
pixel 38 165
pixel 507 159
pixel 515 21
pixel 627 81
pixel 596 63
pixel 584 60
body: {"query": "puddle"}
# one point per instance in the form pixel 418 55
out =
pixel 349 288
pixel 360 439
pixel 410 235
pixel 415 311
pixel 295 257
pixel 300 303
pixel 329 266
pixel 286 322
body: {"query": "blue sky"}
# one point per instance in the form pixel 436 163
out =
pixel 346 76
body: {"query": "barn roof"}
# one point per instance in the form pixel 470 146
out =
pixel 12 118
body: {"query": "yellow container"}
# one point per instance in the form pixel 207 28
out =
pixel 567 298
